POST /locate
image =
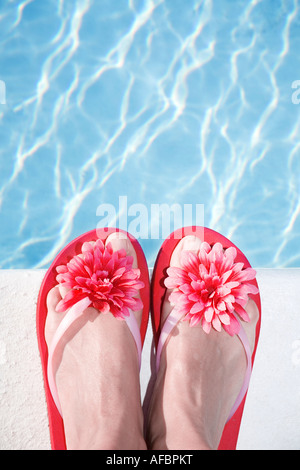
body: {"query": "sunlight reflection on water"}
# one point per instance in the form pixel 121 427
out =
pixel 162 101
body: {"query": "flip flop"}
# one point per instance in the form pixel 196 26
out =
pixel 172 279
pixel 77 301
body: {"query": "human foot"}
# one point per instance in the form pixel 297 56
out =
pixel 199 378
pixel 97 374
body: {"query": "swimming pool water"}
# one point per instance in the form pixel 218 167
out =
pixel 162 101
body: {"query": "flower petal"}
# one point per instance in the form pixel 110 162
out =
pixel 104 276
pixel 241 312
pixel 208 314
pixel 206 326
pixel 234 327
pixel 216 323
pixel 189 262
pixel 210 286
pixel 197 307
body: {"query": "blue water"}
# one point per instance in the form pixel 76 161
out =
pixel 162 101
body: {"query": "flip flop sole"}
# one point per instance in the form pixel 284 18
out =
pixel 56 426
pixel 158 290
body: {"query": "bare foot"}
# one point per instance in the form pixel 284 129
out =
pixel 199 379
pixel 97 375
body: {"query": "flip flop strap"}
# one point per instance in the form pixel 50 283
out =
pixel 75 312
pixel 244 340
pixel 170 324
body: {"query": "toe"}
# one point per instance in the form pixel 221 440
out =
pixel 188 243
pixel 53 297
pixel 53 318
pixel 120 241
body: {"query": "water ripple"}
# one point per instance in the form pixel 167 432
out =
pixel 156 101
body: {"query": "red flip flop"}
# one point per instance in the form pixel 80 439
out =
pixel 197 305
pixel 66 266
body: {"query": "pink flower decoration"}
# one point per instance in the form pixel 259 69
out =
pixel 209 287
pixel 104 276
